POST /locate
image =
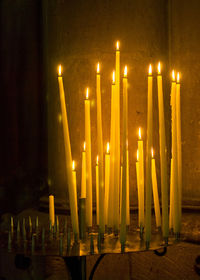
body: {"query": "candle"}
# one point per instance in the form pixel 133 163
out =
pixel 127 191
pixel 155 191
pixel 163 157
pixel 68 155
pixel 107 181
pixel 117 140
pixel 179 145
pixel 112 155
pixel 124 169
pixel 171 213
pixel 141 180
pixel 100 152
pixel 88 162
pixel 97 190
pixel 51 210
pixel 175 214
pixel 74 209
pixel 83 177
pixel 139 191
pixel 148 156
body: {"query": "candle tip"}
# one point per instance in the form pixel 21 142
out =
pixel 178 77
pixel 152 152
pixel 84 146
pixel 139 133
pixel 87 93
pixel 159 68
pixel 125 71
pixel 113 77
pixel 59 69
pixel 97 162
pixel 73 165
pixel 173 75
pixel 150 69
pixel 117 45
pixel 98 68
pixel 108 148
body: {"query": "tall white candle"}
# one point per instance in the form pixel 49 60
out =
pixel 88 161
pixel 107 181
pixel 163 157
pixel 97 190
pixel 83 177
pixel 140 180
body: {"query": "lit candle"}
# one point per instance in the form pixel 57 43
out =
pixel 124 166
pixel 148 157
pixel 100 152
pixel 74 209
pixel 51 210
pixel 163 157
pixel 155 191
pixel 176 224
pixel 97 190
pixel 107 181
pixel 88 162
pixel 112 156
pixel 68 155
pixel 141 180
pixel 117 140
pixel 171 213
pixel 83 177
pixel 179 146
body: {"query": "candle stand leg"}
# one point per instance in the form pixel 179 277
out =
pixel 197 265
pixel 161 253
pixel 77 267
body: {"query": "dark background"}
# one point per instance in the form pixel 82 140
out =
pixel 38 35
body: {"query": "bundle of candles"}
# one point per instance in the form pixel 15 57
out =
pixel 112 184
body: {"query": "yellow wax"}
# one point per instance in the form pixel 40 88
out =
pixel 141 183
pixel 128 192
pixel 88 165
pixel 174 157
pixel 75 208
pixel 179 149
pixel 124 169
pixel 83 177
pixel 155 193
pixel 51 210
pixel 117 144
pixel 112 159
pixel 68 156
pixel 139 195
pixel 148 158
pixel 171 213
pixel 163 159
pixel 100 153
pixel 97 193
pixel 107 184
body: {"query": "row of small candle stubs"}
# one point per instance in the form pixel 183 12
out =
pixel 109 209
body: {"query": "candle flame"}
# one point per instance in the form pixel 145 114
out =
pixel 150 69
pixel 113 77
pixel 98 68
pixel 173 75
pixel 73 165
pixel 87 93
pixel 60 70
pixel 97 162
pixel 152 152
pixel 108 148
pixel 159 68
pixel 178 77
pixel 139 133
pixel 84 146
pixel 125 71
pixel 117 45
pixel 137 154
